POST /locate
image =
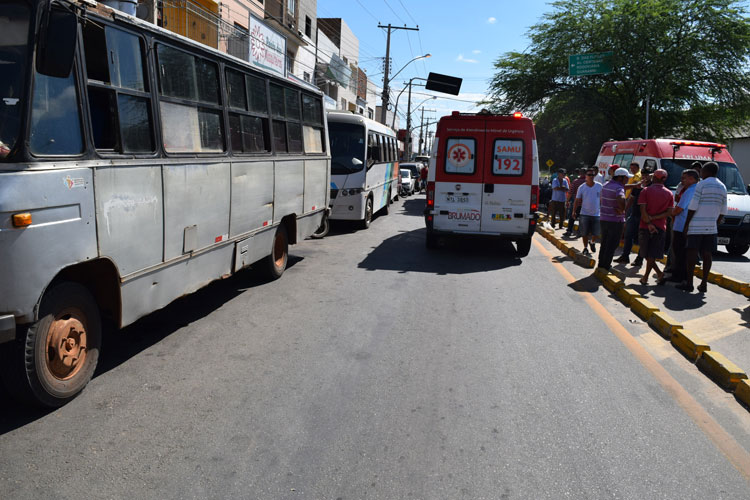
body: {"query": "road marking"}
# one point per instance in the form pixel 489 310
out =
pixel 718 325
pixel 731 449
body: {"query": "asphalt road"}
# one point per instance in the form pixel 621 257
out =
pixel 376 369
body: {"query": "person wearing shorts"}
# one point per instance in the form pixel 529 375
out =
pixel 706 209
pixel 588 198
pixel 656 203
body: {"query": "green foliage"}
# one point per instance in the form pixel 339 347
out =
pixel 689 58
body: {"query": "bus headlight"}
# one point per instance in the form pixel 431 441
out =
pixel 746 219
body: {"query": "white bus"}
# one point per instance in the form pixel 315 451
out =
pixel 136 166
pixel 364 167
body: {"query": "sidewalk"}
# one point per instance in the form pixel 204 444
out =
pixel 711 329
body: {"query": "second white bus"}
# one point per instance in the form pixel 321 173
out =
pixel 364 167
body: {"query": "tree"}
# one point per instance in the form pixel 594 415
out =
pixel 686 59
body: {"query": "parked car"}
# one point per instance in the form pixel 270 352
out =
pixel 414 169
pixel 408 182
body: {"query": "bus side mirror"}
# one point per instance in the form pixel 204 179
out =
pixel 748 189
pixel 57 43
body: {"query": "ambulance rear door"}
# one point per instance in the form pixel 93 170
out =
pixel 459 176
pixel 508 174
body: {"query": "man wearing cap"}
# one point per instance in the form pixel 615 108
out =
pixel 706 209
pixel 612 218
pixel 560 187
pixel 655 202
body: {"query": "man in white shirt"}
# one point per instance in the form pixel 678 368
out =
pixel 705 212
pixel 588 197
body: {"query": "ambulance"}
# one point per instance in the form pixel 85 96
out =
pixel 483 179
pixel 675 155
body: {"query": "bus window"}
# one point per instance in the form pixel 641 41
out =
pixel 119 102
pixel 55 120
pixel 13 54
pixel 248 134
pixel 312 124
pixel 190 111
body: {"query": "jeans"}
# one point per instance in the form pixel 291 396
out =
pixel 631 233
pixel 611 232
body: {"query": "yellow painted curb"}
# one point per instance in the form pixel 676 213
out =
pixel 626 295
pixel 663 323
pixel 715 277
pixel 720 369
pixel 612 282
pixel 572 252
pixel 600 272
pixel 746 292
pixel 689 344
pixel 733 284
pixel 742 391
pixel 643 308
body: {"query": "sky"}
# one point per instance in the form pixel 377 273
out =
pixel 464 39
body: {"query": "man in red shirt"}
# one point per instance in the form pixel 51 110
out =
pixel 655 202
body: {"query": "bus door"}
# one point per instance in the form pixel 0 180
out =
pixel 507 177
pixel 458 177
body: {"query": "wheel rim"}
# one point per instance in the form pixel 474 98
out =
pixel 278 251
pixel 368 210
pixel 66 345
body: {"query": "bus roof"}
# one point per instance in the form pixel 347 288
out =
pixel 355 118
pixel 105 11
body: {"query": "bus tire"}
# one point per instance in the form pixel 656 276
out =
pixel 322 231
pixel 274 264
pixel 431 240
pixel 365 223
pixel 737 250
pixel 58 354
pixel 522 247
pixel 387 207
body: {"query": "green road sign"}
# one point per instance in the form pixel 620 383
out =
pixel 597 63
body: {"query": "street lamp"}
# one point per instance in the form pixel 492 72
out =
pixel 386 89
pixel 395 109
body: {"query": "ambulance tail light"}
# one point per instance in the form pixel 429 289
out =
pixel 534 198
pixel 430 195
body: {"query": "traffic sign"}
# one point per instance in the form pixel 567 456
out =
pixel 597 63
pixel 550 163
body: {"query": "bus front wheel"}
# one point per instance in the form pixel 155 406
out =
pixel 365 223
pixel 59 353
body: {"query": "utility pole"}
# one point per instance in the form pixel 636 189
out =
pixel 421 128
pixel 386 89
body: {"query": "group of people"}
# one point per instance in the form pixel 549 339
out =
pixel 635 205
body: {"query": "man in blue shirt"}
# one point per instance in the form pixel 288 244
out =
pixel 689 179
pixel 560 189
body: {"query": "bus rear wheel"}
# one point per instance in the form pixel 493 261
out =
pixel 275 263
pixel 59 353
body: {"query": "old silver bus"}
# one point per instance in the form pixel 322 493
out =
pixel 135 166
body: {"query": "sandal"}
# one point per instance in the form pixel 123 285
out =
pixel 661 279
pixel 703 288
pixel 643 281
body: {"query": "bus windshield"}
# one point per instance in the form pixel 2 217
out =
pixel 728 174
pixel 347 147
pixel 14 34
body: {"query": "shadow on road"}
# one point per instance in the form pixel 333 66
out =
pixel 719 256
pixel 406 252
pixel 118 346
pixel 413 206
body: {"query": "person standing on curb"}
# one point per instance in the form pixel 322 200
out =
pixel 612 216
pixel 689 180
pixel 588 199
pixel 580 180
pixel 655 202
pixel 634 219
pixel 705 212
pixel 560 187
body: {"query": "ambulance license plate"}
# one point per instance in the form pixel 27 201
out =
pixel 723 241
pixel 457 199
